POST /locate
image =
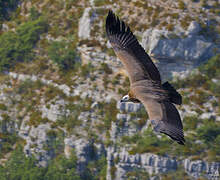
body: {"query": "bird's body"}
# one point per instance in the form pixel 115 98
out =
pixel 145 81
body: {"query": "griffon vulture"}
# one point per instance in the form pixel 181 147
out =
pixel 145 81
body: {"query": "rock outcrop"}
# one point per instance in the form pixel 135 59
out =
pixel 196 168
pixel 54 111
pixel 38 143
pixel 190 47
pixel 178 52
pixel 85 23
pixel 150 163
pixel 84 149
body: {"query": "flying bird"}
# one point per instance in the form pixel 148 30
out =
pixel 145 81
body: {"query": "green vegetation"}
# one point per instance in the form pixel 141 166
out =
pixel 86 70
pixel 21 167
pixel 211 68
pixel 18 46
pixel 203 79
pixel 69 121
pixel 101 2
pixel 113 171
pixel 27 89
pixel 51 92
pixel 142 116
pixel 210 30
pixel 181 5
pixel 175 15
pixel 143 4
pixel 170 27
pixel 137 174
pixel 34 14
pixel 106 68
pixel 209 131
pixel 5 6
pixel 8 140
pixel 190 122
pixel 36 119
pixel 96 169
pixel 204 3
pixel 109 111
pixel 180 173
pixel 63 54
pixel 186 21
pixel 147 142
pixel 3 107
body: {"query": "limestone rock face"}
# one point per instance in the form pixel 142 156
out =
pixel 194 28
pixel 193 47
pixel 54 111
pixel 195 168
pixel 84 149
pixel 151 163
pixel 7 126
pixel 154 164
pixel 125 124
pixel 85 23
pixel 178 52
pixel 5 27
pixel 129 107
pixel 36 141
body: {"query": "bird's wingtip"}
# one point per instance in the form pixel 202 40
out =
pixel 111 22
pixel 173 132
pixel 181 142
pixel 115 27
pixel 110 12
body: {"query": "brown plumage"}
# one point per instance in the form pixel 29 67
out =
pixel 145 80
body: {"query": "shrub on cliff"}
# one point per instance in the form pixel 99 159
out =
pixel 5 5
pixel 62 54
pixel 18 46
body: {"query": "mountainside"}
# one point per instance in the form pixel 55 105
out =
pixel 61 83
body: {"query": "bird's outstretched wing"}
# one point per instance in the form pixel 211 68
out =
pixel 164 117
pixel 136 61
pixel 145 79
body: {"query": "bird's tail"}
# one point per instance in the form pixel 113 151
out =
pixel 174 96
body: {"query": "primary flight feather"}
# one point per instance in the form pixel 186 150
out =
pixel 145 81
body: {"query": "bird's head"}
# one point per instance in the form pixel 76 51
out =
pixel 127 98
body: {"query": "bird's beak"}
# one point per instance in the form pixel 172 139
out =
pixel 122 101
